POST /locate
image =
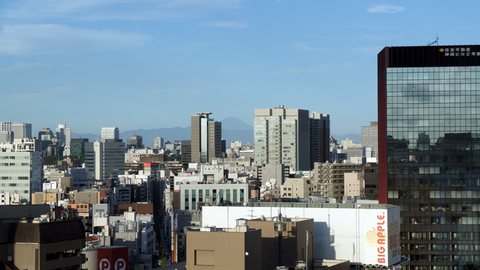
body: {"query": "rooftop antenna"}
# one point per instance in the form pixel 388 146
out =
pixel 433 42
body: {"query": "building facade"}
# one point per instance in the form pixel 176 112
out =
pixel 370 137
pixel 105 159
pixel 19 130
pixel 21 173
pixel 348 231
pixel 428 131
pixel 158 143
pixel 64 134
pixel 330 178
pixel 281 136
pixel 77 146
pixel 135 142
pixel 192 194
pixel 5 136
pixel 217 249
pixel 370 174
pixel 319 138
pixel 206 139
pixel 110 133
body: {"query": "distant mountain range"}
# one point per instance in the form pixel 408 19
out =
pixel 233 129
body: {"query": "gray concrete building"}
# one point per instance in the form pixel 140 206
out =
pixel 158 143
pixel 5 136
pixel 105 159
pixel 19 130
pixel 110 133
pixel 370 137
pixel 281 136
pixel 135 141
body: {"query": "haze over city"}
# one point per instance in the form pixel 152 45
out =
pixel 152 64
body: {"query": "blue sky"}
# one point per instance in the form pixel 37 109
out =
pixel 145 64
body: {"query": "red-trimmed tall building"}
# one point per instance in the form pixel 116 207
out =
pixel 429 151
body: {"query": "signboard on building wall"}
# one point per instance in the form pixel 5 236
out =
pixel 112 258
pixel 381 236
pixel 394 247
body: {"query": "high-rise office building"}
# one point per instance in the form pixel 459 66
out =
pixel 158 143
pixel 370 137
pixel 64 134
pixel 429 158
pixel 19 130
pixel 45 135
pixel 110 133
pixel 319 138
pixel 206 140
pixel 281 136
pixel 77 146
pixel 105 159
pixel 5 136
pixel 135 141
pixel 7 126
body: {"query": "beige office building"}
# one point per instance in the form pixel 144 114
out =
pixel 217 249
pixel 206 138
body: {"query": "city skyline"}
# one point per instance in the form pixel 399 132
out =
pixel 132 65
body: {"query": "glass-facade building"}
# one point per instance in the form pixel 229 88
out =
pixel 429 151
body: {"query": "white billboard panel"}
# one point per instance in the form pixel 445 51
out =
pixel 381 236
pixel 367 236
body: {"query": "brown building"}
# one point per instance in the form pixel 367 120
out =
pixel 42 246
pixel 140 208
pixel 44 197
pixel 218 249
pixel 90 196
pixel 256 244
pixel 284 241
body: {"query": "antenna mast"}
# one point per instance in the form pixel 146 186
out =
pixel 433 42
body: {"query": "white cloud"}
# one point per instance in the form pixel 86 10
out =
pixel 232 25
pixel 53 38
pixel 386 9
pixel 114 9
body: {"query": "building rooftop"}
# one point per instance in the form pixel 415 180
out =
pixel 318 205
